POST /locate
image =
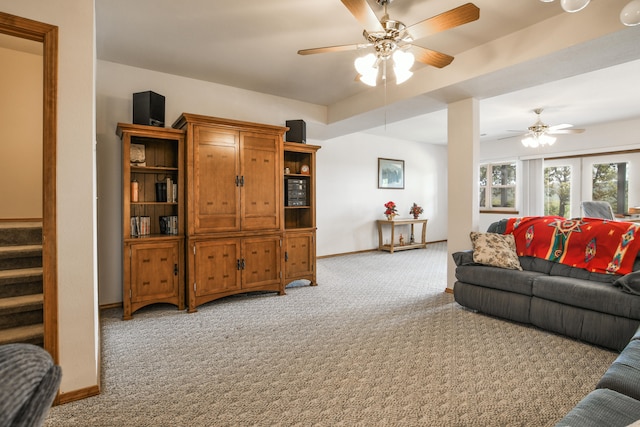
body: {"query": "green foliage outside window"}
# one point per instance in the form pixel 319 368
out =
pixel 557 191
pixel 500 190
pixel 610 184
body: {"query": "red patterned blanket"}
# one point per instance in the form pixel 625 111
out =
pixel 597 245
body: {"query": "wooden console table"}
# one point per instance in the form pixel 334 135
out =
pixel 408 245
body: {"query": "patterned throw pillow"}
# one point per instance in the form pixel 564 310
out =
pixel 497 250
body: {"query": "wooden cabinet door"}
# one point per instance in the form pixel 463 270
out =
pixel 215 205
pixel 216 266
pixel 154 271
pixel 260 168
pixel 300 255
pixel 262 261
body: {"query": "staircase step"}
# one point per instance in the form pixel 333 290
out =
pixel 20 275
pixel 20 256
pixel 21 303
pixel 25 281
pixel 20 251
pixel 20 233
pixel 33 334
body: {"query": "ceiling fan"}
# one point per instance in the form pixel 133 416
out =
pixel 393 39
pixel 540 133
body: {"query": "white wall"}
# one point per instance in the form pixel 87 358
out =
pixel 348 198
pixel 77 281
pixel 608 137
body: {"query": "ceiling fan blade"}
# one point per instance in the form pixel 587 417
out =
pixel 460 15
pixel 431 57
pixel 341 48
pixel 512 136
pixel 564 131
pixel 362 12
pixel 562 126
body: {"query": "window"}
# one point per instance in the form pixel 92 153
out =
pixel 498 186
pixel 557 190
pixel 611 184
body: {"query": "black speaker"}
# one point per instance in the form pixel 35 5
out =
pixel 148 109
pixel 297 131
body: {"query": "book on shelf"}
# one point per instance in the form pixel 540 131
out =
pixel 167 191
pixel 140 226
pixel 161 191
pixel 169 224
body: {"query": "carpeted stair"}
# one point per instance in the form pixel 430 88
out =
pixel 21 283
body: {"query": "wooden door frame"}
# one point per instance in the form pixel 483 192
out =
pixel 48 36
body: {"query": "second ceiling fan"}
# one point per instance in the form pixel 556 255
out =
pixel 393 39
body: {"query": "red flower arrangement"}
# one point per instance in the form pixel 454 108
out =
pixel 416 210
pixel 391 209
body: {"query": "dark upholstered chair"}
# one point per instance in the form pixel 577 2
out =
pixel 29 381
pixel 597 209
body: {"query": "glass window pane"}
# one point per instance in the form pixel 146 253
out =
pixel 482 198
pixel 610 184
pixel 557 191
pixel 503 174
pixel 503 197
pixel 483 175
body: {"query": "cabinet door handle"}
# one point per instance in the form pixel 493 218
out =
pixel 175 269
pixel 286 256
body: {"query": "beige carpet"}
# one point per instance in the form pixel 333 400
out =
pixel 377 343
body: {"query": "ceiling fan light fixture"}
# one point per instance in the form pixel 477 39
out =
pixel 402 75
pixel 530 141
pixel 535 140
pixel 630 15
pixel 545 139
pixel 369 79
pixel 365 64
pixel 403 60
pixel 572 6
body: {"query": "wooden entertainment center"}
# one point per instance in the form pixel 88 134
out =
pixel 234 229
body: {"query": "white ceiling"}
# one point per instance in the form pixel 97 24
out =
pixel 253 45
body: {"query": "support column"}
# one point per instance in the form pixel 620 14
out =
pixel 462 177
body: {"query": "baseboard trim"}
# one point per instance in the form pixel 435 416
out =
pixel 367 250
pixel 72 396
pixel 112 305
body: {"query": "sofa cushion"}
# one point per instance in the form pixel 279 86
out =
pixel 495 302
pixel 536 264
pixel 623 375
pixel 516 281
pixel 558 269
pixel 602 408
pixel 596 296
pixel 496 250
pixel 629 283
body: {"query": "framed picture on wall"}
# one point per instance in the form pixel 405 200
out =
pixel 390 173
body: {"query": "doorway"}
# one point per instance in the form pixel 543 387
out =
pixel 46 34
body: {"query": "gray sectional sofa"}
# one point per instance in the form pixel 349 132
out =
pixel 601 309
pixel 615 402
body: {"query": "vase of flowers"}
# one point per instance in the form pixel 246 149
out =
pixel 415 211
pixel 390 210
